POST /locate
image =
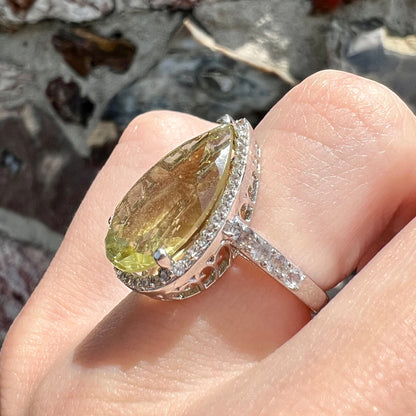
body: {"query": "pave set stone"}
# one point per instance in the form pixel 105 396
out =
pixel 145 275
pixel 258 250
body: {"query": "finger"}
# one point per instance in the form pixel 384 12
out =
pixel 80 288
pixel 355 358
pixel 338 173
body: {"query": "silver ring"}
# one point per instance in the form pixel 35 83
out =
pixel 181 225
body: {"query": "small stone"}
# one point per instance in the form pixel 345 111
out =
pixel 260 252
pixel 277 264
pixel 66 99
pixel 231 230
pixel 178 271
pixel 193 253
pixel 83 50
pixel 292 279
pixel 202 243
pixel 170 203
pixel 179 268
pixel 209 232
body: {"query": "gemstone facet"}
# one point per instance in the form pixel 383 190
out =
pixel 168 205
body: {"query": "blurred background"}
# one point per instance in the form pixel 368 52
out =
pixel 73 73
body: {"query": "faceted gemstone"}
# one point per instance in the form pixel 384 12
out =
pixel 293 279
pixel 168 205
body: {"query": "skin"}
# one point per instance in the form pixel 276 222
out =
pixel 337 194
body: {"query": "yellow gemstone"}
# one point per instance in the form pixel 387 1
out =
pixel 169 204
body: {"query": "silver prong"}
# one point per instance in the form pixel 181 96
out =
pixel 226 119
pixel 162 258
pixel 110 219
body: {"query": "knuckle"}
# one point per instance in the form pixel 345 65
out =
pixel 342 89
pixel 351 114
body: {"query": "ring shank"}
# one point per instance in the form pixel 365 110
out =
pixel 258 251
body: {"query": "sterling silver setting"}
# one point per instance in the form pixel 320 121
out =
pixel 225 235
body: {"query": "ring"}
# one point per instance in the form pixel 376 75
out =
pixel 183 222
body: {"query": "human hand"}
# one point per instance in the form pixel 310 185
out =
pixel 338 182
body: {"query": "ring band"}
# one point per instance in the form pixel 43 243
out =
pixel 180 226
pixel 258 251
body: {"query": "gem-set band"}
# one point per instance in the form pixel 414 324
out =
pixel 229 172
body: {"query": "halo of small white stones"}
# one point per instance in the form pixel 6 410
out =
pixel 259 251
pixel 144 282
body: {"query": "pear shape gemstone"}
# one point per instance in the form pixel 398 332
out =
pixel 168 206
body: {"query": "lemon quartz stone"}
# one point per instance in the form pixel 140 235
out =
pixel 170 203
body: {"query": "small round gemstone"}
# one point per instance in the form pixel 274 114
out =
pixel 179 268
pixel 292 279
